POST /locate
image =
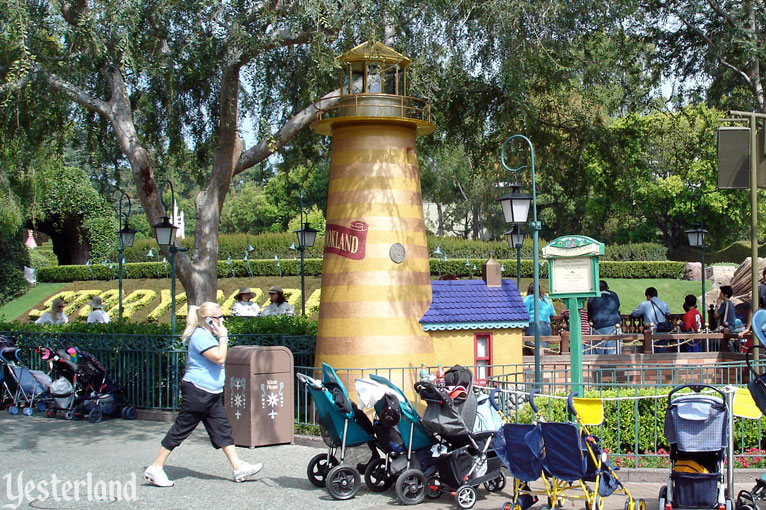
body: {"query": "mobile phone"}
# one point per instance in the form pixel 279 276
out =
pixel 210 322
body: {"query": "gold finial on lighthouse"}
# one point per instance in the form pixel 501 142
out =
pixel 373 84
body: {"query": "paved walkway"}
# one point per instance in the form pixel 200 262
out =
pixel 46 454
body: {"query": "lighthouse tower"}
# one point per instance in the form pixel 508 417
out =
pixel 376 281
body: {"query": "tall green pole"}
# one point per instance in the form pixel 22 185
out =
pixel 534 225
pixel 518 267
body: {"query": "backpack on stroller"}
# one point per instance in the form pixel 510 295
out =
pixel 697 428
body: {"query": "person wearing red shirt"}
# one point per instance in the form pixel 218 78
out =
pixel 691 323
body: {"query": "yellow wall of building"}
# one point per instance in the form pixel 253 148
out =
pixel 457 347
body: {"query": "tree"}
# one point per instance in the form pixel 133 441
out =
pixel 713 47
pixel 159 76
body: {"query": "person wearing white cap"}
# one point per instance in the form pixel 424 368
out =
pixel 244 307
pixel 278 305
pixel 97 315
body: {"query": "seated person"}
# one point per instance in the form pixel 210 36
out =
pixel 55 315
pixel 244 307
pixel 278 305
pixel 97 315
pixel 691 323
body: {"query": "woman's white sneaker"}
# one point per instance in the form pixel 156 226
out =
pixel 156 476
pixel 246 471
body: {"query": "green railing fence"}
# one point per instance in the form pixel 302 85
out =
pixel 150 367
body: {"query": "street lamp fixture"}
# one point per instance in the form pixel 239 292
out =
pixel 697 240
pixel 306 238
pixel 516 207
pixel 127 236
pixel 166 237
pixel 515 238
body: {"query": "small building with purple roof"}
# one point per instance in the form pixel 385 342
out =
pixel 477 322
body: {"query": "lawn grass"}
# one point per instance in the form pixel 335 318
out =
pixel 631 292
pixel 36 294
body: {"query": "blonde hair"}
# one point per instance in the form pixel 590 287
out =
pixel 56 302
pixel 197 314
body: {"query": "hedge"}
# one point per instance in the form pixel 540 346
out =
pixel 277 324
pixel 313 267
pixel 622 439
pixel 267 245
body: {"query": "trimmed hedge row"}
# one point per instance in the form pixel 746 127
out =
pixel 275 324
pixel 313 267
pixel 265 246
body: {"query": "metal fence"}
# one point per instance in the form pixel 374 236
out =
pixel 148 367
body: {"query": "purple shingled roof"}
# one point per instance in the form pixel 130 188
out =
pixel 472 301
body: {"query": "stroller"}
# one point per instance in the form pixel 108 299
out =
pixel 83 387
pixel 344 425
pixel 22 388
pixel 697 428
pixel 464 459
pixel 399 433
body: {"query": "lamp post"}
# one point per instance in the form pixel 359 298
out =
pixel 166 236
pixel 697 240
pixel 442 256
pixel 515 238
pixel 127 236
pixel 515 207
pixel 306 238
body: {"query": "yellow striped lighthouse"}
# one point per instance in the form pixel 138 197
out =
pixel 376 282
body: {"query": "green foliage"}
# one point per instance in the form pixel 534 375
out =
pixel 272 325
pixel 635 251
pixel 40 258
pixel 13 257
pixel 652 270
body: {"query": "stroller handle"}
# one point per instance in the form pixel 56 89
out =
pixel 570 403
pixel 492 402
pixel 532 400
pixel 696 388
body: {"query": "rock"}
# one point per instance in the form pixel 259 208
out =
pixel 720 275
pixel 693 271
pixel 742 281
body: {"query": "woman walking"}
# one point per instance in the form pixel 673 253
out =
pixel 202 392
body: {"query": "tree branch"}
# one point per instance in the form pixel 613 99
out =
pixel 71 13
pixel 713 45
pixel 75 93
pixel 272 144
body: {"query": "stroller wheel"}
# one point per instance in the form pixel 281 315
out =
pixel 13 410
pixel 50 413
pixel 69 415
pixel 42 406
pixel 95 415
pixel 376 476
pixel 496 484
pixel 343 482
pixel 433 488
pixel 129 413
pixel 465 496
pixel 318 468
pixel 27 411
pixel 411 487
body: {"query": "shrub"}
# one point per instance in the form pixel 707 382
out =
pixel 13 257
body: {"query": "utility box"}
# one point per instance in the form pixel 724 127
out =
pixel 259 395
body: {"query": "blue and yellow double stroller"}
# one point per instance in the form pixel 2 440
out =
pixel 566 456
pixel 343 426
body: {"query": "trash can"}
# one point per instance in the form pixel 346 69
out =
pixel 259 395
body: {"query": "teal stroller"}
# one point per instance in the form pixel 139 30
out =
pixel 343 426
pixel 403 438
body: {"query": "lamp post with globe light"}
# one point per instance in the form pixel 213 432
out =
pixel 306 238
pixel 127 236
pixel 166 236
pixel 515 238
pixel 516 206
